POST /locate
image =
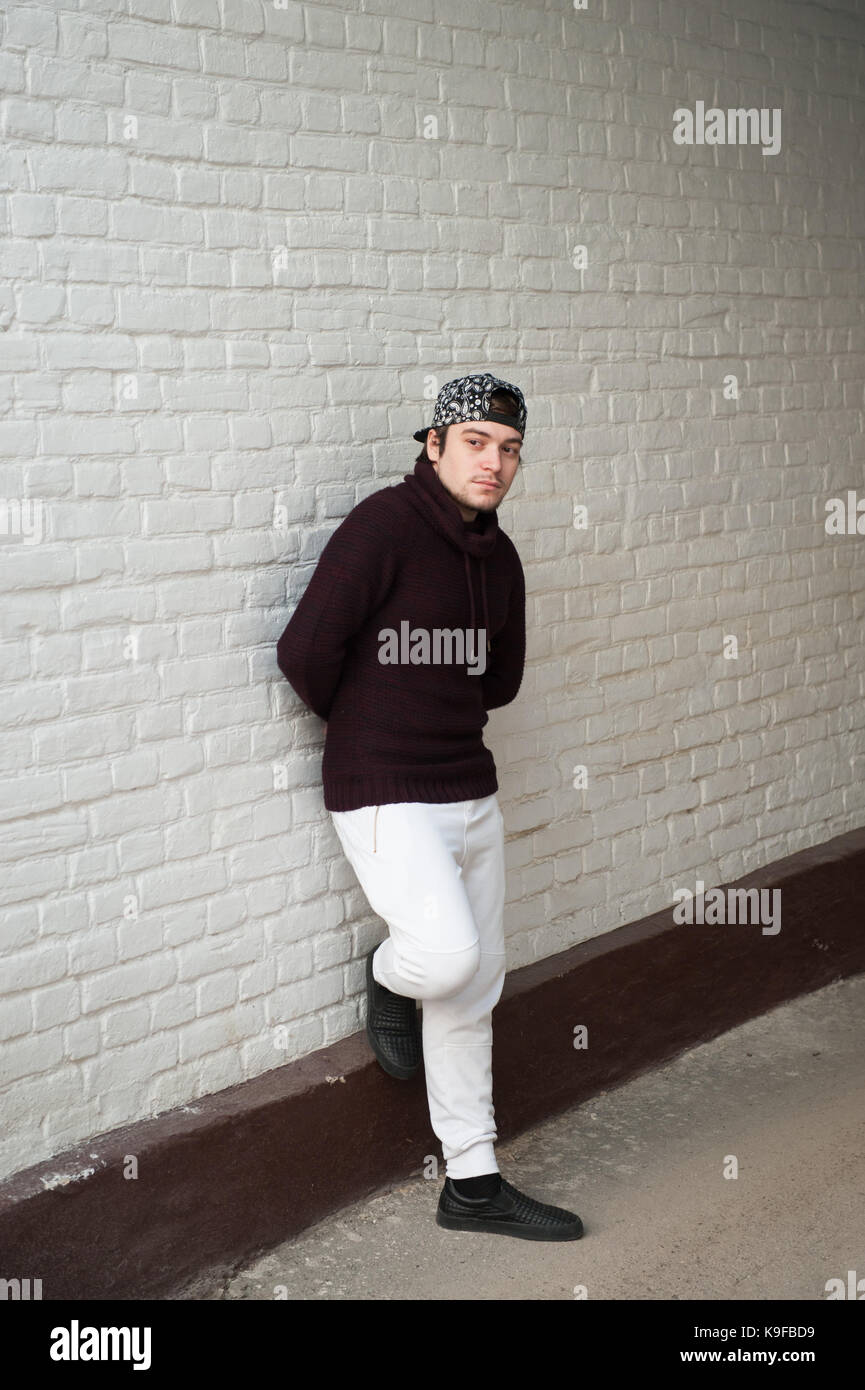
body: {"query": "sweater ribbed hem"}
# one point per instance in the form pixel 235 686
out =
pixel 350 793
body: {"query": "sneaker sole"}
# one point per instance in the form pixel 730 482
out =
pixel 392 1068
pixel 504 1228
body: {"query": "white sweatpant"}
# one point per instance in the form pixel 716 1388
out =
pixel 436 873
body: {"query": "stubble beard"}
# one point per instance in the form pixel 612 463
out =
pixel 466 501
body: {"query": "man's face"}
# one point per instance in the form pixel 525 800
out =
pixel 478 464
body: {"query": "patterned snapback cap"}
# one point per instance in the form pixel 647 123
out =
pixel 468 398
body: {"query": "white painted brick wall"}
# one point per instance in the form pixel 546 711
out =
pixel 232 267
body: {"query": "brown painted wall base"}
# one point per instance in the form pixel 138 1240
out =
pixel 251 1166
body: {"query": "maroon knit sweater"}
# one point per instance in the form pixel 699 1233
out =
pixel 407 732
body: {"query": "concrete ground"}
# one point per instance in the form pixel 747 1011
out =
pixel 644 1166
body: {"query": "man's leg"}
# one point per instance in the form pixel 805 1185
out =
pixel 457 1030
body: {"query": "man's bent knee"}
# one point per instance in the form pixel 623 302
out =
pixel 447 972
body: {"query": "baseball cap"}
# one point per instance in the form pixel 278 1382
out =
pixel 468 398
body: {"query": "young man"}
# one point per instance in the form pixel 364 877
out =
pixel 411 628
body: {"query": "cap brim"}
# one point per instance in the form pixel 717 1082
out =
pixel 421 435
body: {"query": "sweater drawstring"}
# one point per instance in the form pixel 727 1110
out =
pixel 472 601
pixel 484 592
pixel 473 657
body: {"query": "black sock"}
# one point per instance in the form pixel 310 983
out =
pixel 486 1185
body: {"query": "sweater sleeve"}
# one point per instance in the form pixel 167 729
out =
pixel 354 573
pixel 504 674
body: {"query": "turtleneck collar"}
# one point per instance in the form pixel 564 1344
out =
pixel 426 488
pixel 477 538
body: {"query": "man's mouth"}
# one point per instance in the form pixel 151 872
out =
pixel 483 483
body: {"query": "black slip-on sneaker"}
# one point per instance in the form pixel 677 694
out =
pixel 392 1027
pixel 509 1213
